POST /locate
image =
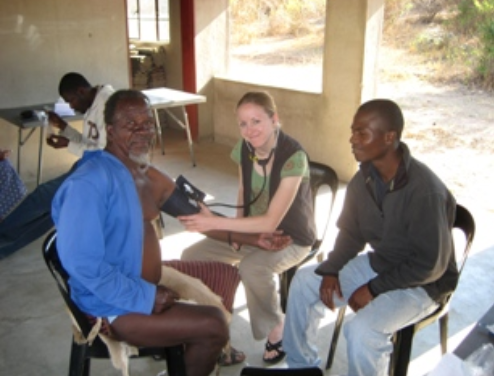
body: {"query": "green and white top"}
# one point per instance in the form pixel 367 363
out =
pixel 296 165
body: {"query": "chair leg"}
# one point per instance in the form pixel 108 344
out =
pixel 159 226
pixel 283 290
pixel 87 367
pixel 79 363
pixel 336 334
pixel 443 332
pixel 285 280
pixel 400 358
pixel 162 221
pixel 396 339
pixel 175 363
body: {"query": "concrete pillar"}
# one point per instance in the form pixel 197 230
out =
pixel 353 34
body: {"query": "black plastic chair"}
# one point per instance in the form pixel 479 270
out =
pixel 320 174
pixel 403 339
pixel 81 354
pixel 254 371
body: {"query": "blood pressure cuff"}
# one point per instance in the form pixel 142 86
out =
pixel 179 204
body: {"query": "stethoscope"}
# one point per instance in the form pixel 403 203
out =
pixel 261 162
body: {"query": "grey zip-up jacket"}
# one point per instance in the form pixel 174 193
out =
pixel 409 235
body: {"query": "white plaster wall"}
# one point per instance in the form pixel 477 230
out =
pixel 43 39
pixel 212 36
pixel 211 27
pixel 297 112
pixel 174 49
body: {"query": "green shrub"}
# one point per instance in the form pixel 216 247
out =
pixel 486 63
pixel 476 18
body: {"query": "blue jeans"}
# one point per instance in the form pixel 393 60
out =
pixel 31 219
pixel 368 333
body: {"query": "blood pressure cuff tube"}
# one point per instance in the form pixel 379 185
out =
pixel 178 204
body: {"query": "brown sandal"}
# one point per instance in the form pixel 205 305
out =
pixel 230 357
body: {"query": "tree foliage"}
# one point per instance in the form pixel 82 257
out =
pixel 475 18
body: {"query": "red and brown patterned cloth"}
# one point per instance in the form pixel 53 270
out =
pixel 221 278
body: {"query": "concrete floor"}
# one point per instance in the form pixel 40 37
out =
pixel 35 329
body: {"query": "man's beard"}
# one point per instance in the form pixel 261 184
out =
pixel 143 159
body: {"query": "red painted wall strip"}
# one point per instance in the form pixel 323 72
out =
pixel 189 60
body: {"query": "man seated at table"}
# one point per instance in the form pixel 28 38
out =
pixel 32 218
pixel 399 208
pixel 85 99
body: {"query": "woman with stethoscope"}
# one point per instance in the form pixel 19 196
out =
pixel 274 194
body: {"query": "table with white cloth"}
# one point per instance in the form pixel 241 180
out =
pixel 165 98
pixel 160 98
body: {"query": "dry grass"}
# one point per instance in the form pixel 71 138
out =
pixel 254 19
pixel 431 45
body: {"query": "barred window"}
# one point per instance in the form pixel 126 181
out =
pixel 148 20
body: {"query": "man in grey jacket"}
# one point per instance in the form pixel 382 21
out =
pixel 401 212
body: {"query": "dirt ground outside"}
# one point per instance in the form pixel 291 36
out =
pixel 448 126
